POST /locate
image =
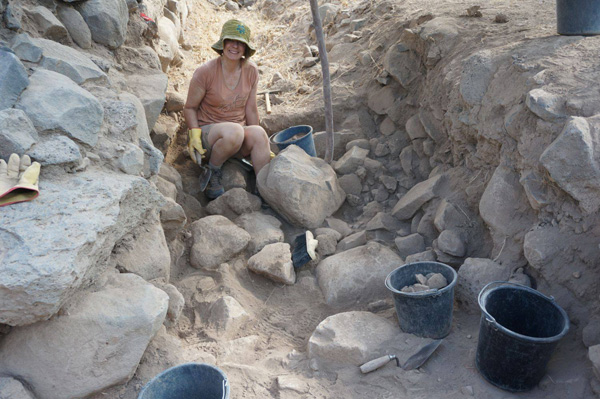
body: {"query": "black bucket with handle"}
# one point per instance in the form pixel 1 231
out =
pixel 518 331
pixel 426 313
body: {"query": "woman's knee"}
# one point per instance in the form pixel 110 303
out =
pixel 233 134
pixel 256 135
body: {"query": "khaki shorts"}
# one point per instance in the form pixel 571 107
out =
pixel 205 143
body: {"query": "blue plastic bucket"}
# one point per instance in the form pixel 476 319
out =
pixel 518 331
pixel 188 381
pixel 578 17
pixel 427 313
pixel 301 135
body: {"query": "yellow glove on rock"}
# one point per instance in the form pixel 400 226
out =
pixel 18 180
pixel 195 145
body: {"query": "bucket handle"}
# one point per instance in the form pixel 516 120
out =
pixel 488 317
pixel 225 383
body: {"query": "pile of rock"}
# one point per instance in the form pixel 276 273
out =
pixel 428 282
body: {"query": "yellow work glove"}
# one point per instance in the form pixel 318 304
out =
pixel 195 145
pixel 18 180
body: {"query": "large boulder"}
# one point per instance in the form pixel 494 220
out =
pixel 274 261
pixel 168 46
pixel 144 251
pixel 440 34
pixel 557 253
pixel 75 223
pixel 234 203
pixel 95 343
pixel 573 161
pixel 402 64
pixel 25 48
pixel 69 62
pixel 11 388
pixel 357 276
pixel 417 196
pixel 550 107
pixel 14 79
pixel 478 71
pixel 505 209
pixel 264 229
pixel 227 315
pixel 55 103
pixel 301 188
pixel 17 133
pixel 350 338
pixel 56 150
pixel 216 240
pixel 47 24
pixel 473 275
pixel 152 92
pixel 107 20
pixel 75 24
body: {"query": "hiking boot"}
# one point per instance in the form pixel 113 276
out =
pixel 214 188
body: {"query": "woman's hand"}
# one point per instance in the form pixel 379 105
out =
pixel 195 147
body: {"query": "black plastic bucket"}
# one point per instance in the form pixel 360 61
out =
pixel 188 381
pixel 519 329
pixel 578 17
pixel 427 313
pixel 304 139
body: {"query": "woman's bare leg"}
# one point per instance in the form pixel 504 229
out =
pixel 256 144
pixel 225 140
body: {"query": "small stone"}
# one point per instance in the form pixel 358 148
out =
pixel 309 61
pixel 577 274
pixel 501 19
pixel 474 12
pixel 421 279
pixel 378 306
pixel 469 336
pixel 420 287
pixel 467 390
pixel 304 89
pixel 206 284
pixel 437 280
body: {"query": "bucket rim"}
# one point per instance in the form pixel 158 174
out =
pixel 288 141
pixel 486 291
pixel 225 382
pixel 422 294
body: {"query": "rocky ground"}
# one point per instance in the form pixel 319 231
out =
pixel 466 133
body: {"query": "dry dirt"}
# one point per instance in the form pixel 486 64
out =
pixel 282 318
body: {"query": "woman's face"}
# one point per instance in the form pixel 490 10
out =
pixel 233 49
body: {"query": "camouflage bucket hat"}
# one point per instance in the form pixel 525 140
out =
pixel 235 30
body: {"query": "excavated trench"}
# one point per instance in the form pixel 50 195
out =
pixel 429 92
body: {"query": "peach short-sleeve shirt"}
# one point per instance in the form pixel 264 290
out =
pixel 221 104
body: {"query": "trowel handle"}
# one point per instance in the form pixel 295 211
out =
pixel 376 363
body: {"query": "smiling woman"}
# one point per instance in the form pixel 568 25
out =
pixel 221 112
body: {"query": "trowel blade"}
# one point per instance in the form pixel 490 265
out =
pixel 422 355
pixel 205 174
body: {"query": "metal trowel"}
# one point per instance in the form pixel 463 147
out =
pixel 413 362
pixel 205 172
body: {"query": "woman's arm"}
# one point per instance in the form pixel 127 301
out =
pixel 251 107
pixel 194 98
